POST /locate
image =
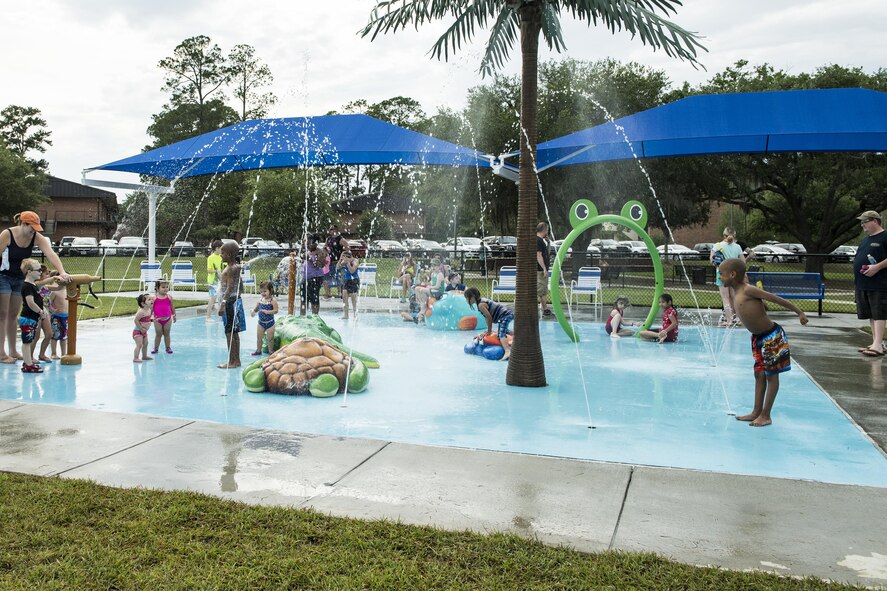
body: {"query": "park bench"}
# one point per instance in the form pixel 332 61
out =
pixel 791 286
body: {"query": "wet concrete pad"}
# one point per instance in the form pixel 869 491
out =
pixel 46 440
pixel 250 465
pixel 8 404
pixel 790 527
pixel 554 500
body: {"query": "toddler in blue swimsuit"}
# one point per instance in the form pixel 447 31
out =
pixel 266 308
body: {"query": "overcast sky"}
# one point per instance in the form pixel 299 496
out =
pixel 90 66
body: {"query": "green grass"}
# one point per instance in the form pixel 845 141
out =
pixel 70 534
pixel 109 305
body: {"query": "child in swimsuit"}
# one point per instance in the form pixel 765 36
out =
pixel 669 331
pixel 350 287
pixel 615 324
pixel 58 308
pixel 142 320
pixel 493 312
pixel 266 308
pixel 164 316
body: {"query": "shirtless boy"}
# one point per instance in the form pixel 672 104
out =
pixel 768 341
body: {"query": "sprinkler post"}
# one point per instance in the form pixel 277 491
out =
pixel 73 291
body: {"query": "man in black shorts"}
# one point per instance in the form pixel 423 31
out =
pixel 870 276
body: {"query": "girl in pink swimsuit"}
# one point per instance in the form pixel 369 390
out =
pixel 142 321
pixel 164 316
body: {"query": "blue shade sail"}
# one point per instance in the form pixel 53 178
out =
pixel 828 120
pixel 297 141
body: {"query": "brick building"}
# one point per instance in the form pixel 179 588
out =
pixel 77 210
pixel 407 217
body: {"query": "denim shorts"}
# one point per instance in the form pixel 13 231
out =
pixel 11 285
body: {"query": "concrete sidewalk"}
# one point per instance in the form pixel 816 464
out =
pixel 786 526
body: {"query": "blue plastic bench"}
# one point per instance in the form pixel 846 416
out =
pixel 791 286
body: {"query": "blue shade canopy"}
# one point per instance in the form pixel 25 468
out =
pixel 833 120
pixel 296 141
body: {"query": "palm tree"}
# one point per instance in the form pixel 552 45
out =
pixel 526 366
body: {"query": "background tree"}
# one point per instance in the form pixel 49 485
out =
pixel 248 75
pixel 375 225
pixel 811 198
pixel 21 186
pixel 194 71
pixel 524 20
pixel 23 130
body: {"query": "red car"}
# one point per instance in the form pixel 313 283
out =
pixel 358 248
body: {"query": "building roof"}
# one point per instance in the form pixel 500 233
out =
pixel 61 188
pixel 387 203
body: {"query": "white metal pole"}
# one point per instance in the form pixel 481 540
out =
pixel 152 225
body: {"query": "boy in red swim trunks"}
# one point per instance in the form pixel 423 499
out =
pixel 768 341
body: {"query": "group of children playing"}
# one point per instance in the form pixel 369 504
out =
pixel 44 310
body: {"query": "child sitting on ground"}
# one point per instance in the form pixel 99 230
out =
pixel 769 344
pixel 454 283
pixel 615 322
pixel 493 312
pixel 141 321
pixel 266 308
pixel 669 331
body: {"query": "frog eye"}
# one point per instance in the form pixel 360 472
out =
pixel 582 211
pixel 636 212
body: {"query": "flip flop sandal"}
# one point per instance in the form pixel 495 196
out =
pixel 33 368
pixel 873 353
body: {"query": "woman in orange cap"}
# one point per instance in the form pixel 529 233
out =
pixel 16 244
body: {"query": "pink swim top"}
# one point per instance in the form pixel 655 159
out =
pixel 162 308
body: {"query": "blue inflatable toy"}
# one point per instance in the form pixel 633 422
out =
pixel 452 312
pixel 491 352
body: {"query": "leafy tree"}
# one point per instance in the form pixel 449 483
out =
pixel 375 225
pixel 248 75
pixel 21 186
pixel 194 71
pixel 524 20
pixel 284 205
pixel 183 121
pixel 23 130
pixel 811 198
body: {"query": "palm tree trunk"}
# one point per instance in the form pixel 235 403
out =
pixel 526 366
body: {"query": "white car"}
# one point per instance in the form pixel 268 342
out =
pixel 108 247
pixel 472 247
pixel 678 251
pixel 638 248
pixel 387 247
pixel 774 254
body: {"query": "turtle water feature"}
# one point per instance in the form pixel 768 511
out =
pixel 649 404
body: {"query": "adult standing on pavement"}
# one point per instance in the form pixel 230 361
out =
pixel 870 276
pixel 16 244
pixel 727 248
pixel 543 260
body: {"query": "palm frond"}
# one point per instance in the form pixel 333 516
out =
pixel 638 17
pixel 475 14
pixel 551 27
pixel 503 34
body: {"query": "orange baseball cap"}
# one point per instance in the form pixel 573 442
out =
pixel 32 219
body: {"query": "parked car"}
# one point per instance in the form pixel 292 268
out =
pixel 611 247
pixel 638 248
pixel 425 248
pixel 842 254
pixel 64 245
pixel 470 246
pixel 704 248
pixel 679 251
pixel 792 247
pixel 84 247
pixel 390 248
pixel 358 248
pixel 265 248
pixel 774 254
pixel 108 247
pixel 555 246
pixel 502 246
pixel 129 246
pixel 182 248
